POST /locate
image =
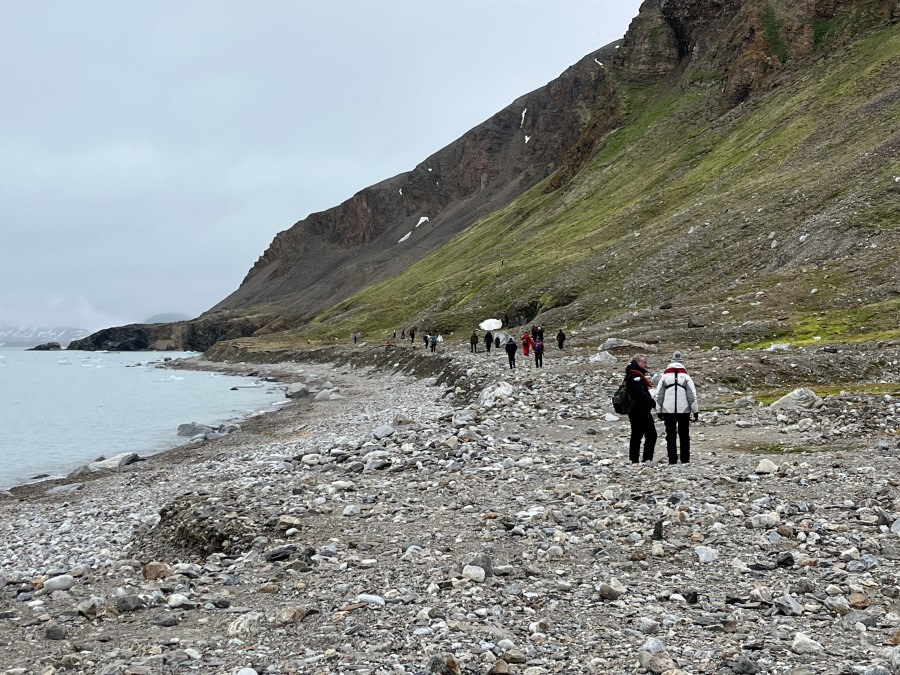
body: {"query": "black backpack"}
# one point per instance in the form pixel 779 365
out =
pixel 621 400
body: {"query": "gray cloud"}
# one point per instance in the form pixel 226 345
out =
pixel 149 152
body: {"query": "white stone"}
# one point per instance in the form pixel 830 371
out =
pixel 803 644
pixel 705 554
pixel 370 599
pixel 61 583
pixel 473 573
pixel 766 466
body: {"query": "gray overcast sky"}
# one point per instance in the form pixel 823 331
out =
pixel 149 152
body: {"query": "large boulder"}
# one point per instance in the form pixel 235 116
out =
pixel 495 394
pixel 620 344
pixel 799 399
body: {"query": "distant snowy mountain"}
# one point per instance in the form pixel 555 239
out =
pixel 30 336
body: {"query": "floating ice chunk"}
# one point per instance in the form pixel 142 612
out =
pixel 405 237
pixel 422 221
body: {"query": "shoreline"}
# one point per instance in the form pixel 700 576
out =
pixel 285 374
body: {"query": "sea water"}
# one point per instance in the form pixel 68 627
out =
pixel 60 410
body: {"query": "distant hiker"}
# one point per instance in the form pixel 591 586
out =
pixel 533 332
pixel 432 342
pixel 511 352
pixel 355 337
pixel 526 343
pixel 412 336
pixel 488 341
pixel 539 354
pixel 540 333
pixel 676 398
pixel 497 342
pixel 642 403
pixel 560 338
pixel 440 338
pixel 473 343
pixel 425 338
pixel 394 335
pixel 402 333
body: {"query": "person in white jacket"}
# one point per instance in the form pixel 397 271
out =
pixel 676 401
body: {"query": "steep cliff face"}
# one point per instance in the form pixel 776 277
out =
pixel 739 44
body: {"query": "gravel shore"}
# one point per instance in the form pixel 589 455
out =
pixel 473 519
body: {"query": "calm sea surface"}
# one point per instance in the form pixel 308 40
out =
pixel 60 410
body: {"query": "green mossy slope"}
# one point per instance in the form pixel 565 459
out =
pixel 783 212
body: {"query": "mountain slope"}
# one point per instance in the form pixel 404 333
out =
pixel 737 160
pixel 788 205
pixel 382 229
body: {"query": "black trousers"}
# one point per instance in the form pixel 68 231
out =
pixel 473 347
pixel 642 426
pixel 678 425
pixel 539 359
pixel 512 359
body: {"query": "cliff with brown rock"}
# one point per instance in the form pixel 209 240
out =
pixel 739 44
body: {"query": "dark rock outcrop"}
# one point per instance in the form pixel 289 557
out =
pixel 197 335
pixel 46 347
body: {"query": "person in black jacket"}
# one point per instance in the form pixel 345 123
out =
pixel 488 341
pixel 560 338
pixel 642 403
pixel 473 342
pixel 511 352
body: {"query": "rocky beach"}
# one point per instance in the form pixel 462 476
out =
pixel 417 513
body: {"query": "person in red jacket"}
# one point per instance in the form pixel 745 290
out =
pixel 527 342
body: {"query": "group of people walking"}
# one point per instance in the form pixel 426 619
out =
pixel 673 395
pixel 532 343
pixel 671 392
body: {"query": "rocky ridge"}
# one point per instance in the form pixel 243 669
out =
pixel 486 523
